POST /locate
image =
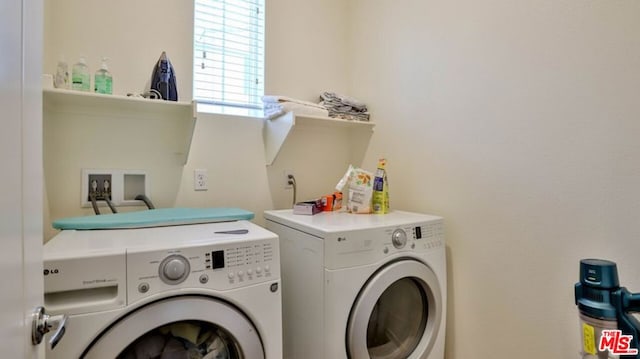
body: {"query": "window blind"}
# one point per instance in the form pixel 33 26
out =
pixel 229 52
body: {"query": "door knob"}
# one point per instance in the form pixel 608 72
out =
pixel 43 323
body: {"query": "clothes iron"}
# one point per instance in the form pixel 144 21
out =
pixel 608 327
pixel 163 79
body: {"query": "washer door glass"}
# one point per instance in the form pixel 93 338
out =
pixel 180 327
pixel 397 313
pixel 186 339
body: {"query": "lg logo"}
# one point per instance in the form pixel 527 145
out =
pixel 51 271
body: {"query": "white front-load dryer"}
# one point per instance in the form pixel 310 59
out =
pixel 362 286
pixel 190 291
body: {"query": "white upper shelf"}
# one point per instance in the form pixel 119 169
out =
pixel 80 101
pixel 174 118
pixel 277 130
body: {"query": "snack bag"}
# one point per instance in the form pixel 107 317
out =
pixel 360 189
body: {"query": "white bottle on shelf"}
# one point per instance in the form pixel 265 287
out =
pixel 80 78
pixel 61 80
pixel 103 81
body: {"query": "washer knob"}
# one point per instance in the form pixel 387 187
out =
pixel 174 269
pixel 399 238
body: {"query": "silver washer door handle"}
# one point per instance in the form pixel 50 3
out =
pixel 57 323
pixel 43 323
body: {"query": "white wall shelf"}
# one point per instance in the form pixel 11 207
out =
pixel 177 117
pixel 277 130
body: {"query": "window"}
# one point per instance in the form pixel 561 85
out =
pixel 229 52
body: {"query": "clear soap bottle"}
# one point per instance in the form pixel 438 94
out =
pixel 103 81
pixel 80 77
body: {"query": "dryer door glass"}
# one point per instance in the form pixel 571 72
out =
pixel 180 327
pixel 398 320
pixel 397 313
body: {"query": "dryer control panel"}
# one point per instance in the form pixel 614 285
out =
pixel 371 245
pixel 216 267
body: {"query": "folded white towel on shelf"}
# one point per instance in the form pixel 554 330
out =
pixel 273 111
pixel 285 99
pixel 275 106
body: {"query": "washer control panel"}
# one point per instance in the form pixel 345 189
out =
pixel 214 266
pixel 243 263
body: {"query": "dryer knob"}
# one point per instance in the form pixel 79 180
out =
pixel 399 238
pixel 174 269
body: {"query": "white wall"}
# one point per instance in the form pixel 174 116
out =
pixel 303 38
pixel 231 150
pixel 518 122
pixel 306 47
pixel 132 34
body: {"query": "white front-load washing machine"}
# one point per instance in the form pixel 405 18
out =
pixel 362 286
pixel 189 291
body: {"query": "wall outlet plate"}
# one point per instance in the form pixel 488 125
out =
pixel 200 180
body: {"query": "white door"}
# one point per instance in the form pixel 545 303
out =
pixel 21 176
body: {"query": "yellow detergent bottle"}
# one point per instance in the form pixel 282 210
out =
pixel 380 200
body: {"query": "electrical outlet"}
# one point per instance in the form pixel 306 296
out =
pixel 287 181
pixel 200 180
